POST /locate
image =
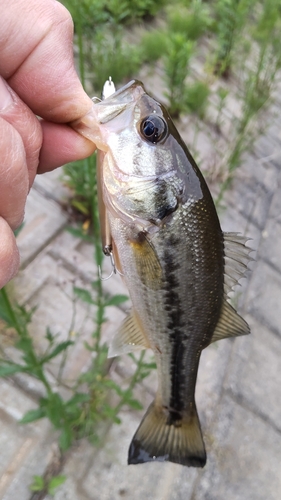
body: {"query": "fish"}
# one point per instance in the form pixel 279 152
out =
pixel 179 267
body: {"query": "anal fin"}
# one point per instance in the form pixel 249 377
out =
pixel 129 337
pixel 230 324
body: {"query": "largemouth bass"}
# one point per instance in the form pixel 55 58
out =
pixel 177 263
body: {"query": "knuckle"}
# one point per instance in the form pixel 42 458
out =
pixel 64 18
pixel 9 254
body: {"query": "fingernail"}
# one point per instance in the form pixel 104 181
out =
pixel 5 96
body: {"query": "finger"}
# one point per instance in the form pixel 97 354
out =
pixel 9 254
pixel 14 184
pixel 14 111
pixel 38 63
pixel 61 145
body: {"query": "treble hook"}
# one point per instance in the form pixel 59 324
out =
pixel 108 252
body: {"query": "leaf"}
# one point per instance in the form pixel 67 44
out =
pixel 83 294
pixel 54 483
pixel 6 370
pixel 54 408
pixel 5 308
pixel 25 345
pixel 80 206
pixel 33 415
pixel 37 484
pixel 18 230
pixel 49 336
pixel 79 233
pixel 88 346
pixel 57 350
pixel 116 300
pixel 66 438
pixel 134 404
pixel 80 397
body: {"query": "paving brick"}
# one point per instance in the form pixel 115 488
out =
pixel 24 448
pixel 253 372
pixel 30 280
pixel 212 368
pixel 109 478
pixel 244 460
pixel 237 391
pixel 43 220
pixel 271 243
pixel 271 235
pixel 263 296
pixel 51 187
pixel 251 198
pixel 78 257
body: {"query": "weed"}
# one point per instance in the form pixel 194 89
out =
pixel 192 22
pixel 96 13
pixel 113 56
pixel 231 19
pixel 39 484
pixel 78 177
pixel 196 98
pixel 176 64
pixel 222 95
pixel 153 45
pixel 101 398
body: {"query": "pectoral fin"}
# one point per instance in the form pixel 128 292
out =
pixel 230 324
pixel 147 263
pixel 129 337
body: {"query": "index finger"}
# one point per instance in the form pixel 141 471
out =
pixel 37 58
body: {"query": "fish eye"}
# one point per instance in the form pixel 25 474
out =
pixel 153 128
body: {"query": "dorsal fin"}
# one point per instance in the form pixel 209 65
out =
pixel 237 259
pixel 129 337
pixel 230 324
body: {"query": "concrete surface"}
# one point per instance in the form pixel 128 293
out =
pixel 238 391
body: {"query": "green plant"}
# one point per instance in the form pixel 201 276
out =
pixel 153 45
pixel 192 21
pixel 196 98
pixel 231 19
pixel 259 81
pixel 101 398
pixel 222 94
pixel 96 13
pixel 176 66
pixel 40 484
pixel 113 56
pixel 78 178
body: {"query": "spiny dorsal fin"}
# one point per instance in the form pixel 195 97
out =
pixel 128 338
pixel 230 324
pixel 237 259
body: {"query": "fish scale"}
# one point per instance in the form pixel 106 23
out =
pixel 175 260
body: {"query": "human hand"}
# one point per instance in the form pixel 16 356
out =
pixel 37 77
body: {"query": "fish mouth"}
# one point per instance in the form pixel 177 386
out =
pixel 124 98
pixel 103 112
pixel 127 94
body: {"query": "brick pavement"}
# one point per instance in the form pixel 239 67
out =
pixel 238 391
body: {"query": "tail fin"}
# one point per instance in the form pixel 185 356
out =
pixel 160 438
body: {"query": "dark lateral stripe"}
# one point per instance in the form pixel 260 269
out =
pixel 177 334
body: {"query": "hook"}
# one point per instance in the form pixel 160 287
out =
pixel 108 253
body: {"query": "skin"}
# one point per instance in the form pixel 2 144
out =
pixel 37 79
